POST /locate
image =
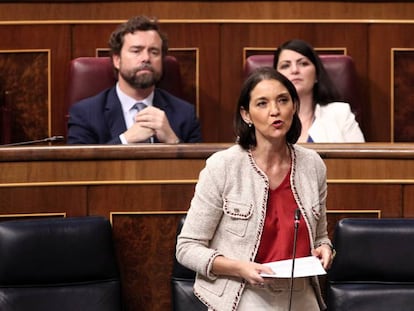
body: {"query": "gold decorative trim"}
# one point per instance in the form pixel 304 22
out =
pixel 370 181
pixel 185 182
pixel 113 214
pixel 361 211
pixel 215 21
pixel 5 216
pixel 100 183
pixel 105 50
pixel 49 79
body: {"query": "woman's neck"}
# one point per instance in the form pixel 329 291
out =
pixel 306 116
pixel 307 106
pixel 274 162
pixel 270 154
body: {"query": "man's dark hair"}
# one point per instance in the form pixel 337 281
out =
pixel 141 23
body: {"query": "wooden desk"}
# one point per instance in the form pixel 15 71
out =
pixel 145 189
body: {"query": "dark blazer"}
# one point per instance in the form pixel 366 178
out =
pixel 99 119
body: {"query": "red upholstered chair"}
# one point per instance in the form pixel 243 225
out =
pixel 90 75
pixel 341 69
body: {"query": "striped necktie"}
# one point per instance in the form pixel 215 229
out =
pixel 138 107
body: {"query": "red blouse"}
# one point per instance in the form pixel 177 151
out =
pixel 277 237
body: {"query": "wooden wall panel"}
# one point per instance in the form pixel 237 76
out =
pixel 107 10
pixel 402 96
pixel 386 198
pixel 408 201
pixel 55 38
pixel 70 200
pixel 145 245
pixel 379 49
pixel 103 200
pixel 236 37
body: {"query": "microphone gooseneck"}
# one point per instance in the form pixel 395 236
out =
pixel 295 236
pixel 32 142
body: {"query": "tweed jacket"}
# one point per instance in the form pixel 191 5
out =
pixel 227 215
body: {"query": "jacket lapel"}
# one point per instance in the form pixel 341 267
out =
pixel 113 114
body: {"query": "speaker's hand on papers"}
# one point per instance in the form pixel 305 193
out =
pixel 250 271
pixel 325 255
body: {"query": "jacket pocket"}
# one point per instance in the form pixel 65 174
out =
pixel 216 287
pixel 236 216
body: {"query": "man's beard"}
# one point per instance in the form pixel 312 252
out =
pixel 141 81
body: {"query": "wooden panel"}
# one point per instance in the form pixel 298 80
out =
pixel 145 245
pixel 214 10
pixel 130 170
pixel 28 110
pixel 408 201
pixel 33 200
pixel 103 200
pixel 7 217
pixel 368 169
pixel 402 110
pixel 379 111
pixel 270 35
pixel 385 198
pixel 53 38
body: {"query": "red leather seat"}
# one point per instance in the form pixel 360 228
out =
pixel 341 69
pixel 90 75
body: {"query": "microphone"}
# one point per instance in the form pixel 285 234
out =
pixel 295 237
pixel 31 142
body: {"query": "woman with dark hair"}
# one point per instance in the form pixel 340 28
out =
pixel 324 117
pixel 241 215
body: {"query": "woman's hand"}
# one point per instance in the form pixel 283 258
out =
pixel 249 271
pixel 325 254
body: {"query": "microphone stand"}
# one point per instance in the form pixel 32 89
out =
pixel 295 236
pixel 31 142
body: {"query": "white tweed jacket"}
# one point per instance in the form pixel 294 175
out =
pixel 227 214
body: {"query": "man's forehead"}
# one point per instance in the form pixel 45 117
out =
pixel 143 36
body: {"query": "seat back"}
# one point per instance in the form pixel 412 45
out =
pixel 60 264
pixel 373 267
pixel 90 75
pixel 340 68
pixel 182 281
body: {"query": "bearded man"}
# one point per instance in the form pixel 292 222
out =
pixel 135 110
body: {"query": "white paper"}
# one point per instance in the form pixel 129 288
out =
pixel 304 266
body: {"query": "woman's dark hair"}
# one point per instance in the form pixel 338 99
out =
pixel 246 134
pixel 324 90
pixel 136 23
